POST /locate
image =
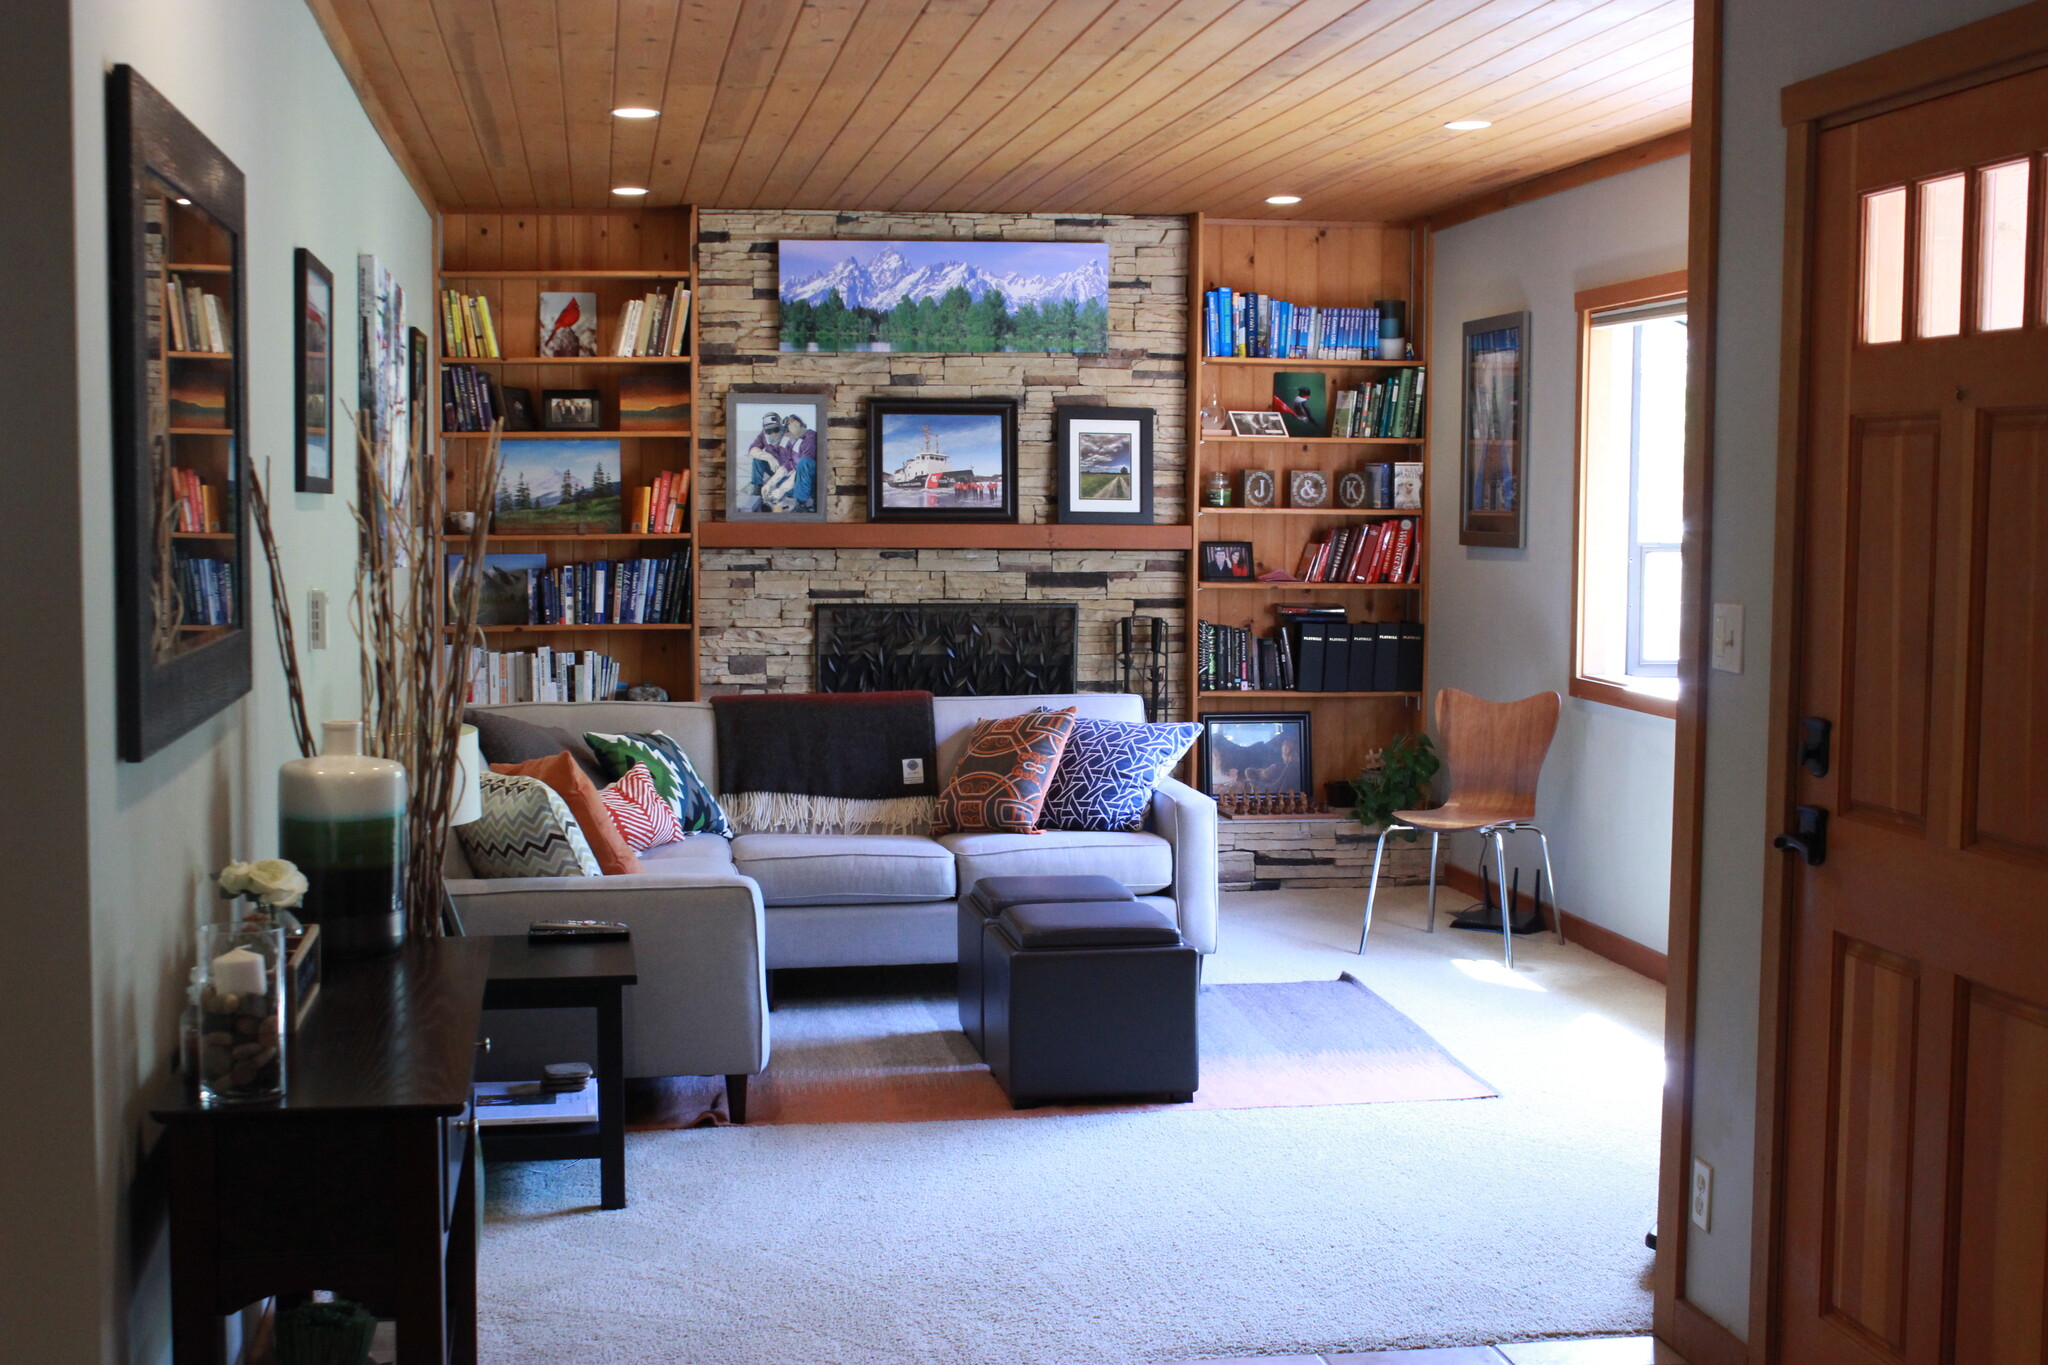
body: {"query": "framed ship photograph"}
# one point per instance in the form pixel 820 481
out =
pixel 1494 440
pixel 942 460
pixel 774 452
pixel 1105 465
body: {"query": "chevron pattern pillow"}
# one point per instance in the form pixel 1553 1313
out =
pixel 526 831
pixel 1000 785
pixel 696 810
pixel 636 808
pixel 1106 776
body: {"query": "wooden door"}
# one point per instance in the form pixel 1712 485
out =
pixel 1914 1134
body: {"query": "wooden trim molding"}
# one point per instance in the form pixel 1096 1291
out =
pixel 351 63
pixel 1615 694
pixel 1566 178
pixel 1597 939
pixel 1990 49
pixel 1649 289
pixel 854 535
pixel 1700 1339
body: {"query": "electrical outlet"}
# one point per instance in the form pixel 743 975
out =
pixel 316 619
pixel 1727 643
pixel 1702 1194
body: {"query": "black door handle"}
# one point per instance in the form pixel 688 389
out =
pixel 1810 840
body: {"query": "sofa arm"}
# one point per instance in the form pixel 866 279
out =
pixel 1186 819
pixel 701 1007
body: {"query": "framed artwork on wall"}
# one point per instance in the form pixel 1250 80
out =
pixel 942 460
pixel 313 382
pixel 775 456
pixel 1105 465
pixel 1247 753
pixel 944 297
pixel 1494 365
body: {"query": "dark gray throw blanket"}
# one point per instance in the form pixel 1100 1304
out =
pixel 819 762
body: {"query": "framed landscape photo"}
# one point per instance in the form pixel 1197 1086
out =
pixel 1105 465
pixel 1226 561
pixel 774 454
pixel 557 488
pixel 313 376
pixel 1494 362
pixel 655 401
pixel 1248 753
pixel 942 460
pixel 947 297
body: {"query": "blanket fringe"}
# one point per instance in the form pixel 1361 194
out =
pixel 791 813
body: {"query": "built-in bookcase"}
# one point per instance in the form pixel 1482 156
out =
pixel 510 259
pixel 1328 266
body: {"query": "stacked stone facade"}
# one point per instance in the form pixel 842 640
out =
pixel 1279 855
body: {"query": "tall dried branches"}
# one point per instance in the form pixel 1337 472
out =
pixel 281 616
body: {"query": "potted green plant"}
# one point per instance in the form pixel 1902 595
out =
pixel 1400 782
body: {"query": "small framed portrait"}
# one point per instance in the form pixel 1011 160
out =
pixel 312 343
pixel 1256 487
pixel 1254 753
pixel 1226 561
pixel 1353 489
pixel 1308 488
pixel 519 413
pixel 571 410
pixel 775 457
pixel 1257 424
pixel 942 459
pixel 1105 474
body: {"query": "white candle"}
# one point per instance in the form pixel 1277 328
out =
pixel 239 972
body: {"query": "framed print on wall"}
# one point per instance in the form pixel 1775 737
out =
pixel 1494 365
pixel 313 384
pixel 774 451
pixel 942 460
pixel 946 297
pixel 1246 753
pixel 1105 465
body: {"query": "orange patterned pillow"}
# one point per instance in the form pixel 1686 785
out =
pixel 1000 785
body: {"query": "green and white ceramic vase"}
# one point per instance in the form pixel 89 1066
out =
pixel 341 818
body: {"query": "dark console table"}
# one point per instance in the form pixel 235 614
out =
pixel 362 1179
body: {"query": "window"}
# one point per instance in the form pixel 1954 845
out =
pixel 1632 347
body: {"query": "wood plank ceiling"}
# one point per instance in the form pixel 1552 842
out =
pixel 1081 106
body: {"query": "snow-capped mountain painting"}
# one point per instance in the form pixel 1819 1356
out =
pixel 944 296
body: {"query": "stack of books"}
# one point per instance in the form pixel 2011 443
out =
pixel 199 320
pixel 611 592
pixel 470 400
pixel 208 589
pixel 500 676
pixel 657 325
pixel 195 508
pixel 466 327
pixel 1384 552
pixel 1235 324
pixel 1314 649
pixel 1389 407
pixel 658 508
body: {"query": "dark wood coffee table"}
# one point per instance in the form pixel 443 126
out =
pixel 569 975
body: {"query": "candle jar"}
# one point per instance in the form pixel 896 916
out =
pixel 241 1013
pixel 1216 489
pixel 341 818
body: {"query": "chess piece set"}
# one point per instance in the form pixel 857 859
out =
pixel 1236 804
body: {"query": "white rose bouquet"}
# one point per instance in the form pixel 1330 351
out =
pixel 273 883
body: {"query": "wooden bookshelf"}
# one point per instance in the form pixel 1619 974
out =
pixel 511 258
pixel 1331 266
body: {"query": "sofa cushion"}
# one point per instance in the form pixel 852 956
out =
pixel 1002 780
pixel 696 810
pixel 1142 862
pixel 568 781
pixel 1106 776
pixel 502 738
pixel 693 855
pixel 638 814
pixel 844 869
pixel 526 831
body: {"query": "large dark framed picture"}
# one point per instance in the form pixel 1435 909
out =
pixel 1493 451
pixel 1247 753
pixel 774 453
pixel 1105 465
pixel 313 344
pixel 942 460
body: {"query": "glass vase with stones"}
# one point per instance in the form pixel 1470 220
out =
pixel 241 1043
pixel 341 818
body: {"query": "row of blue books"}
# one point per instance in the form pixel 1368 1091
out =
pixel 1237 324
pixel 207 587
pixel 611 592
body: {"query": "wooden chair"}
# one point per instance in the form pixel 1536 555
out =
pixel 1494 752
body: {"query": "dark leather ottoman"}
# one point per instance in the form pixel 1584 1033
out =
pixel 1087 1001
pixel 991 896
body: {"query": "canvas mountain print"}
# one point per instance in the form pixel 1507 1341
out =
pixel 557 488
pixel 972 297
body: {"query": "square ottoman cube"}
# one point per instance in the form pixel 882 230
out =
pixel 988 898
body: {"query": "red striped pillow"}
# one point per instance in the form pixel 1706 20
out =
pixel 643 818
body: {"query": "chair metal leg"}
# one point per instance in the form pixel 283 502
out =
pixel 1434 835
pixel 1551 877
pixel 1372 889
pixel 1507 912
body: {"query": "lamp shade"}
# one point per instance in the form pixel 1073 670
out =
pixel 468 804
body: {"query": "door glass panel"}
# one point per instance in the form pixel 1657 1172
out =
pixel 1884 265
pixel 2002 246
pixel 1941 256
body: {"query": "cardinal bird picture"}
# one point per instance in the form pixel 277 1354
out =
pixel 568 324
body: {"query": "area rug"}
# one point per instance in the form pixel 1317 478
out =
pixel 904 1060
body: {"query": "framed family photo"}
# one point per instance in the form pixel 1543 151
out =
pixel 313 345
pixel 1248 753
pixel 775 458
pixel 1494 444
pixel 942 460
pixel 1226 561
pixel 1105 465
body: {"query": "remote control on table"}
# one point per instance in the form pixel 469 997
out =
pixel 584 930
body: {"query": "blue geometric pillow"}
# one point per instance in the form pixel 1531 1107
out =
pixel 1105 778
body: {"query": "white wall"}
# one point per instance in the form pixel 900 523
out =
pixel 1768 45
pixel 1500 620
pixel 257 78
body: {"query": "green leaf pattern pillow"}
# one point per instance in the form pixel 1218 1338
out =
pixel 675 781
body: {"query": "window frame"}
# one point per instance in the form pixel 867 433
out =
pixel 1650 290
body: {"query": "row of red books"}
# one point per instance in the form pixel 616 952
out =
pixel 196 509
pixel 1383 552
pixel 658 510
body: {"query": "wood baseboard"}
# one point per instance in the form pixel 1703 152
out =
pixel 1594 938
pixel 1700 1339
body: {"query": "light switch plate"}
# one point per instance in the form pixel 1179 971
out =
pixel 1727 640
pixel 316 619
pixel 1702 1194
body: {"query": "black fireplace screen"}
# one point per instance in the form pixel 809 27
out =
pixel 953 649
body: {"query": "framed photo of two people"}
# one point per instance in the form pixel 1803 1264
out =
pixel 775 456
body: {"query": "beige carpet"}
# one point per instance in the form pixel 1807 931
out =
pixel 905 1060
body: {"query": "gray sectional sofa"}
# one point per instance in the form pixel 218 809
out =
pixel 711 916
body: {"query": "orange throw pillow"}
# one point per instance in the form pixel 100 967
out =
pixel 1000 785
pixel 566 778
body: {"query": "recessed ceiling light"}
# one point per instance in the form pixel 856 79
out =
pixel 1468 125
pixel 181 201
pixel 1283 199
pixel 634 111
pixel 628 190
